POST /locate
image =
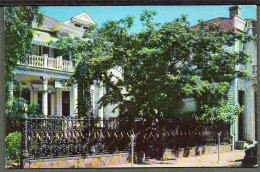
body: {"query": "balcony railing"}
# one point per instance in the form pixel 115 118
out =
pixel 48 63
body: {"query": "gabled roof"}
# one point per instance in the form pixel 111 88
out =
pixel 49 21
pixel 224 23
pixel 83 17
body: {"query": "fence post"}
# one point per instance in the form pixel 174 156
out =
pixel 233 142
pixel 24 148
pixel 218 147
pixel 132 149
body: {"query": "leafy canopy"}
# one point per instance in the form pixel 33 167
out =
pixel 18 37
pixel 149 73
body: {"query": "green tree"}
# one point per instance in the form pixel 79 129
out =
pixel 18 37
pixel 159 66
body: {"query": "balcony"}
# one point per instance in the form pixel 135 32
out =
pixel 48 63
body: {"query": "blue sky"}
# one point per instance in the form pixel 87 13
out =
pixel 101 14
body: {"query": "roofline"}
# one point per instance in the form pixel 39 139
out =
pixel 214 19
pixel 51 17
pixel 85 11
pixel 240 17
pixel 90 16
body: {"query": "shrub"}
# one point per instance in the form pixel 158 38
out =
pixel 13 147
pixel 15 109
pixel 34 109
pixel 224 113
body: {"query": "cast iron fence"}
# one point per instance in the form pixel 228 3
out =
pixel 53 136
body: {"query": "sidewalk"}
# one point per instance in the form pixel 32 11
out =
pixel 227 159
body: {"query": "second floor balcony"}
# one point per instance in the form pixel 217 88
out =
pixel 48 63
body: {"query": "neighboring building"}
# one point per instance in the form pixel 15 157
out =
pixel 242 92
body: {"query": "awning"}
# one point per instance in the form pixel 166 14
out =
pixel 44 39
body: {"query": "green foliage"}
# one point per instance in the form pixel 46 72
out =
pixel 34 109
pixel 18 37
pixel 13 147
pixel 150 71
pixel 223 113
pixel 157 67
pixel 15 108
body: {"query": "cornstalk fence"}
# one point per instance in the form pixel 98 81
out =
pixel 55 136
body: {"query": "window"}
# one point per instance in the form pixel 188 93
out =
pixel 45 50
pixel 77 25
pixel 39 50
pixel 35 50
pixel 56 53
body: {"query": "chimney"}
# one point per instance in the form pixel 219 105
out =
pixel 234 10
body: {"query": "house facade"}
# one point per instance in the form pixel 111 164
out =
pixel 41 74
pixel 44 68
pixel 242 92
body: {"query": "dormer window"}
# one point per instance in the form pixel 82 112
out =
pixel 77 25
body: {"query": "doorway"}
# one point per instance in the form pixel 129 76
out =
pixel 241 101
pixel 26 95
pixel 66 103
pixel 40 99
pixel 49 104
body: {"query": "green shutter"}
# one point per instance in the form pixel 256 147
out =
pixel 240 48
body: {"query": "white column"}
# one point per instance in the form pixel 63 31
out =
pixel 59 102
pixel 53 100
pixel 73 99
pixel 249 113
pixel 96 98
pixel 101 93
pixel 44 95
pixel 31 96
pixel 92 92
pixel 98 94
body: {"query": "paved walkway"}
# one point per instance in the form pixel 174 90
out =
pixel 227 159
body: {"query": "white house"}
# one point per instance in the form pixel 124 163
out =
pixel 41 73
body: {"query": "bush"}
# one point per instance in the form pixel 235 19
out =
pixel 34 109
pixel 13 147
pixel 224 113
pixel 15 108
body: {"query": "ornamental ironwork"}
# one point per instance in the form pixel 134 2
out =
pixel 60 136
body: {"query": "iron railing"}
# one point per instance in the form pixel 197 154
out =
pixel 53 136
